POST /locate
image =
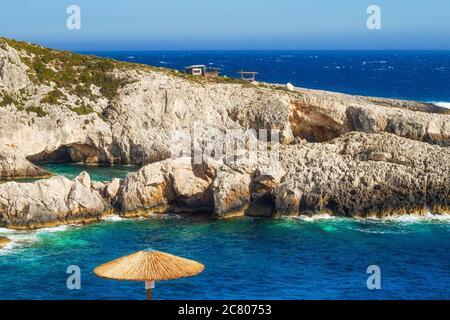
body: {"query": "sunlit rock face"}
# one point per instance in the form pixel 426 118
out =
pixel 50 202
pixel 340 154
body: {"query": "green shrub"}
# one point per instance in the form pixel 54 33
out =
pixel 52 97
pixel 38 110
pixel 83 110
pixel 70 68
pixel 7 100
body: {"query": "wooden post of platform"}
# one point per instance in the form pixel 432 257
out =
pixel 252 75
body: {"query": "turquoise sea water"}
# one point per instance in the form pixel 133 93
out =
pixel 245 259
pixel 72 170
pixel 255 258
pixel 96 172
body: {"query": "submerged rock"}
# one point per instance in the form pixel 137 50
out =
pixel 4 241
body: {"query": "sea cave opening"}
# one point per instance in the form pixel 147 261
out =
pixel 71 153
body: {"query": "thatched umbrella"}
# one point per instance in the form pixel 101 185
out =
pixel 149 266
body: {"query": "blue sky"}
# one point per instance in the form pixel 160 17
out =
pixel 229 24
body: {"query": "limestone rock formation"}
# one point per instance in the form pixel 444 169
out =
pixel 50 119
pixel 364 175
pixel 50 202
pixel 170 185
pixel 340 154
pixel 232 193
pixel 13 166
pixel 13 73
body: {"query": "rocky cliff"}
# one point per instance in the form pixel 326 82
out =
pixel 340 154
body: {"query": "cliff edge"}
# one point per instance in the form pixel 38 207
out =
pixel 340 154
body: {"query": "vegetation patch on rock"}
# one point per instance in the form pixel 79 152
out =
pixel 38 110
pixel 83 110
pixel 63 68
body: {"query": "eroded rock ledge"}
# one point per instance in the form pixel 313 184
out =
pixel 50 202
pixel 356 175
pixel 126 115
pixel 14 167
pixel 340 154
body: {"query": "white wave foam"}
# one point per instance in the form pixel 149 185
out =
pixel 113 217
pixel 20 239
pixel 442 104
pixel 55 229
pixel 376 231
pixel 317 217
pixel 411 218
pixel 4 231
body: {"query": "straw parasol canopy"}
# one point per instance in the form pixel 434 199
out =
pixel 149 266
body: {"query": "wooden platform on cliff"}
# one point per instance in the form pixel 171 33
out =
pixel 248 75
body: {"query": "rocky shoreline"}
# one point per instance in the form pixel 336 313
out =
pixel 341 155
pixel 356 175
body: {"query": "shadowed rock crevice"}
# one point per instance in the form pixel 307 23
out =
pixel 310 123
pixel 262 207
pixel 72 153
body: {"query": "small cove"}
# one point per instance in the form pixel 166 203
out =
pixel 71 170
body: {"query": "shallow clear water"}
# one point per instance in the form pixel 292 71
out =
pixel 72 170
pixel 96 172
pixel 244 258
pixel 252 258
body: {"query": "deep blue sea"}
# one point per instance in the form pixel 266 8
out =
pixel 255 258
pixel 244 259
pixel 411 75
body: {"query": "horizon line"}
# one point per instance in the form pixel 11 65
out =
pixel 230 50
pixel 67 48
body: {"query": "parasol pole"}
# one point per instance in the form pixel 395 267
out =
pixel 149 285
